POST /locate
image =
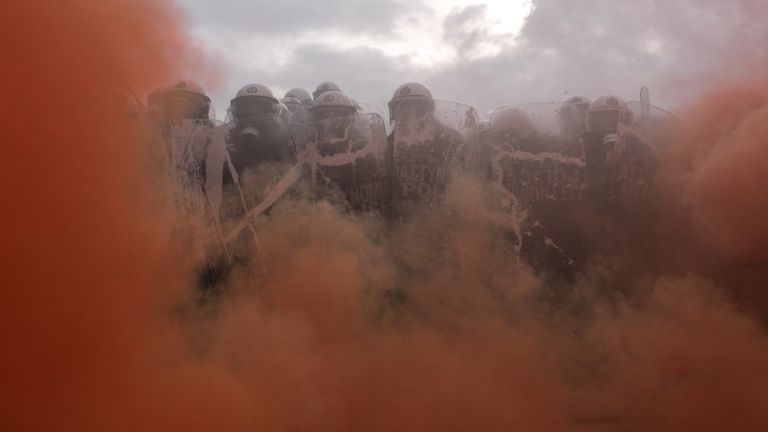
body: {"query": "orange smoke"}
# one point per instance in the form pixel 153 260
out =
pixel 723 144
pixel 92 342
pixel 689 353
pixel 77 328
pixel 324 345
pixel 688 359
pixel 339 335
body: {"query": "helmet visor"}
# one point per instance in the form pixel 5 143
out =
pixel 603 121
pixel 247 107
pixel 325 113
pixel 413 108
pixel 180 105
pixel 333 134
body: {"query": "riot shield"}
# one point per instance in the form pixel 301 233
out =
pixel 261 149
pixel 339 154
pixel 464 120
pixel 299 112
pixel 624 169
pixel 536 172
pixel 346 155
pixel 192 153
pixel 215 162
pixel 298 127
pixel 554 182
pixel 542 186
pixel 426 147
pixel 645 104
pixel 545 116
pixel 558 125
pixel 187 143
pixel 375 110
pixel 300 134
pixel 259 169
pixel 653 125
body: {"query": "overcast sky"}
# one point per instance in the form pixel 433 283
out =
pixel 485 54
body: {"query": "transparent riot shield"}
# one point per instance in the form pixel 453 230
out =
pixel 464 120
pixel 194 187
pixel 277 183
pixel 300 133
pixel 542 185
pixel 340 155
pixel 427 144
pixel 298 127
pixel 259 170
pixel 653 125
pixel 346 154
pixel 216 160
pixel 535 171
pixel 545 116
pixel 261 150
pixel 373 110
pixel 625 172
pixel 559 126
pixel 187 143
pixel 299 112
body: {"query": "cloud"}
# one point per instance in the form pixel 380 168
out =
pixel 296 16
pixel 471 32
pixel 593 47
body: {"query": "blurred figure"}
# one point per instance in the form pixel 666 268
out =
pixel 299 111
pixel 301 95
pixel 257 133
pixel 603 141
pixel 607 114
pixel 621 182
pixel 421 150
pixel 513 127
pixel 324 87
pixel 349 146
pixel 259 152
pixel 581 103
pixel 179 116
pixel 572 118
pixel 333 116
pixel 298 125
pixel 184 100
pixel 411 101
pixel 179 119
pixel 259 147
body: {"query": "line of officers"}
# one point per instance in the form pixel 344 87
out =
pixel 564 186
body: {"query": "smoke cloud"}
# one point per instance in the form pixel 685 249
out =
pixel 352 323
pixel 723 144
pixel 80 345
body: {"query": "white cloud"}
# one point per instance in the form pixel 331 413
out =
pixel 484 53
